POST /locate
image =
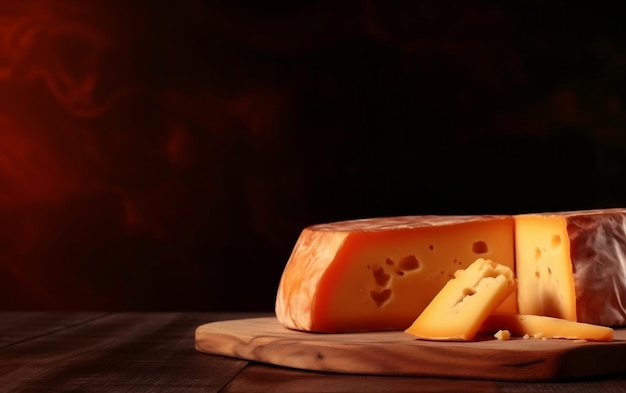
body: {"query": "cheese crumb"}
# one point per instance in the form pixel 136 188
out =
pixel 503 335
pixel 526 336
pixel 538 335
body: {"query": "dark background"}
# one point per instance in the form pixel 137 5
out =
pixel 166 157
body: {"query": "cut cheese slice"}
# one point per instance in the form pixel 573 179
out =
pixel 572 265
pixel 380 273
pixel 545 327
pixel 460 308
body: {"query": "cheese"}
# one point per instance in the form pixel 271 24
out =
pixel 572 265
pixel 458 311
pixel 380 273
pixel 502 335
pixel 545 327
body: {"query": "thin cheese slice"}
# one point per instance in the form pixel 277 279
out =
pixel 380 273
pixel 546 327
pixel 461 307
pixel 572 265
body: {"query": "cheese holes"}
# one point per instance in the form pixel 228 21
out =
pixel 409 263
pixel 381 273
pixel 381 277
pixel 480 247
pixel 537 253
pixel 465 293
pixel 381 297
pixel 555 241
pixel 468 291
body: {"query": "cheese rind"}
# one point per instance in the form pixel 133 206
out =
pixel 463 304
pixel 572 265
pixel 545 327
pixel 380 273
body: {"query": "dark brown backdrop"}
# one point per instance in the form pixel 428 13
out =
pixel 167 156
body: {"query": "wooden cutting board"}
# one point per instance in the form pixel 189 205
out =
pixel 396 353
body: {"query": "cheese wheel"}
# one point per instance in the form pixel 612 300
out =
pixel 380 273
pixel 572 265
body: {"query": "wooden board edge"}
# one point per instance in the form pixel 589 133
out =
pixel 312 353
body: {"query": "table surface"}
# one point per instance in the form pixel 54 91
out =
pixel 141 352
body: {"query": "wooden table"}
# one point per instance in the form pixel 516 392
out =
pixel 141 352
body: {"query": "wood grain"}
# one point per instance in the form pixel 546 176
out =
pixel 261 378
pixel 20 325
pixel 118 352
pixel 154 352
pixel 398 354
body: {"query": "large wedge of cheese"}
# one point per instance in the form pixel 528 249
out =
pixel 458 311
pixel 545 327
pixel 380 273
pixel 572 265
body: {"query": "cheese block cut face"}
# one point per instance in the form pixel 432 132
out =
pixel 458 311
pixel 572 265
pixel 380 273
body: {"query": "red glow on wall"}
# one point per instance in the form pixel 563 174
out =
pixel 168 156
pixel 117 187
